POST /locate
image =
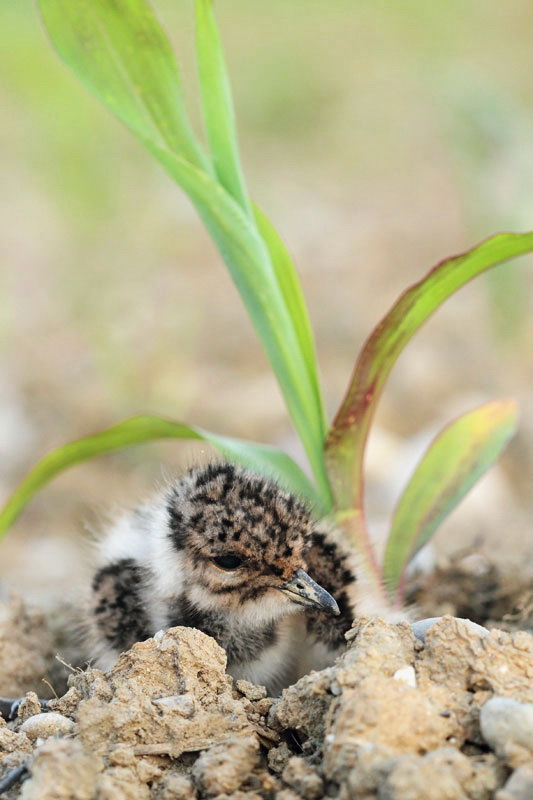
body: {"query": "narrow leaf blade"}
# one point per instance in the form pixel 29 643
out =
pixel 217 105
pixel 291 289
pixel 348 435
pixel 452 464
pixel 250 266
pixel 100 44
pixel 121 54
pixel 259 457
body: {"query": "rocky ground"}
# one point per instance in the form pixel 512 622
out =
pixel 443 714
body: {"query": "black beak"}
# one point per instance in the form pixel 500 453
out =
pixel 303 590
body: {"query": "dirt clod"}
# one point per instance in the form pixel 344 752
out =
pixel 278 757
pixel 26 645
pixel 29 706
pixel 251 691
pixel 394 719
pixel 224 768
pixel 62 770
pixel 11 742
pixel 305 780
pixel 175 787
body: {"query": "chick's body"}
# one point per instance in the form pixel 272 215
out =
pixel 234 555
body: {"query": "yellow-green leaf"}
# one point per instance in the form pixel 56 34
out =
pixel 349 432
pixel 453 463
pixel 121 54
pixel 259 457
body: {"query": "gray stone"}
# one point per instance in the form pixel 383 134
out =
pixel 506 722
pixel 421 627
pixel 41 726
pixel 519 786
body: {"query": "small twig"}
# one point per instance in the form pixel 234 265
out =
pixel 68 666
pixel 47 683
pixel 175 750
pixel 172 749
pixel 160 749
pixel 15 776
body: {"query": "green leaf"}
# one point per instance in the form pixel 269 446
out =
pixel 291 289
pixel 248 261
pixel 453 463
pixel 121 54
pixel 259 457
pixel 217 105
pixel 102 46
pixel 348 435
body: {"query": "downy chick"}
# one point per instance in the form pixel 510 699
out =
pixel 231 553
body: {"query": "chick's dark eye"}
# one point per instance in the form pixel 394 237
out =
pixel 229 561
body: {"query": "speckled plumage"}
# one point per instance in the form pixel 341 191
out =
pixel 231 553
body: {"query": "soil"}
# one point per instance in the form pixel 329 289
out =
pixel 470 586
pixel 395 718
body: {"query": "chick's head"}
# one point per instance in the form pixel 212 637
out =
pixel 242 540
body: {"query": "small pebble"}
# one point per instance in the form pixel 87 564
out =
pixel 505 721
pixel 42 726
pixel 406 675
pixel 519 786
pixel 421 627
pixel 182 704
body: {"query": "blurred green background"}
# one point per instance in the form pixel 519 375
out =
pixel 380 138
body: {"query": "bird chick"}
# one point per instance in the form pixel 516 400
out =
pixel 231 553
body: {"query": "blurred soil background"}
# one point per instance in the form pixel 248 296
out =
pixel 380 138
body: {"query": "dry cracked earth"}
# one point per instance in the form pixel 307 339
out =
pixel 442 715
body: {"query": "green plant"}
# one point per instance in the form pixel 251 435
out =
pixel 119 51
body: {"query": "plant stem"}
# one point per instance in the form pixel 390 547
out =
pixel 353 523
pixel 318 469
